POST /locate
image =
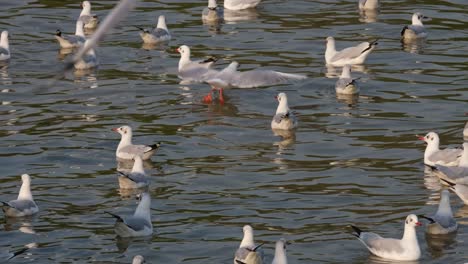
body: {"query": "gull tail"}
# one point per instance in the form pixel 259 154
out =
pixel 154 146
pixel 357 230
pixel 5 203
pixel 58 33
pixel 427 218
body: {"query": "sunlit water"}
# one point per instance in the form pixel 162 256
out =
pixel 352 160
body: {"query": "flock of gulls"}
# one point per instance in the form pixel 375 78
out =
pixel 450 165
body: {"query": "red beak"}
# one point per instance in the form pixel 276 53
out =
pixel 421 138
pixel 178 50
pixel 418 224
pixel 276 97
pixel 114 129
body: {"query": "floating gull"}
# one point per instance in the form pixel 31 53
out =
pixel 136 178
pixel 194 71
pixel 351 55
pixel 4 46
pixel 71 41
pixel 284 117
pixel 456 174
pixel 137 225
pixel 212 13
pixel 248 252
pixel 406 248
pixel 416 29
pixel 346 84
pixel 435 156
pixel 138 259
pixel 280 252
pixel 90 20
pixel 442 222
pixel 127 151
pixel 240 4
pixel 159 34
pixel 25 204
pixel 368 4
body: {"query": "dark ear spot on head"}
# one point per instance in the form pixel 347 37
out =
pixel 125 132
pixel 432 138
pixel 406 221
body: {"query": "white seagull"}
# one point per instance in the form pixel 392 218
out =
pixel 284 118
pixel 346 84
pixel 442 222
pixel 4 46
pixel 248 252
pixel 280 252
pixel 240 4
pixel 138 259
pixel 456 174
pixel 137 225
pixel 159 34
pixel 213 12
pixel 72 41
pixel 88 60
pixel 416 29
pixel 406 248
pixel 127 151
pixel 435 156
pixel 368 4
pixel 136 178
pixel 90 20
pixel 351 55
pixel 25 204
pixel 194 71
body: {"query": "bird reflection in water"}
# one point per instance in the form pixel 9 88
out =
pixel 87 77
pixel 368 15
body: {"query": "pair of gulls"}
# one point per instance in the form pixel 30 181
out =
pixel 249 253
pixel 407 248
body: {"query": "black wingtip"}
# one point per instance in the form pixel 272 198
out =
pixel 357 230
pixel 122 174
pixel 403 30
pixel 257 247
pixel 210 59
pixel 4 203
pixel 142 29
pixel 431 220
pixel 155 146
pixel 375 42
pixel 115 216
pixel 58 33
pixel 451 184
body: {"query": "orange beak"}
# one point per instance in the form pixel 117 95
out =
pixel 115 129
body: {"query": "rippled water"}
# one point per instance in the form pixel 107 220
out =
pixel 352 160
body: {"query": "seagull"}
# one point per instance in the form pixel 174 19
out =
pixel 72 41
pixel 435 156
pixel 4 46
pixel 127 151
pixel 284 118
pixel 158 35
pixel 240 4
pixel 351 55
pixel 136 178
pixel 416 29
pixel 248 252
pixel 137 225
pixel 213 12
pixel 88 60
pixel 195 71
pixel 456 174
pixel 280 252
pixel 442 222
pixel 25 204
pixel 406 248
pixel 230 77
pixel 138 259
pixel 90 20
pixel 368 4
pixel 346 84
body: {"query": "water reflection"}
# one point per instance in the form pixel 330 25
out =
pixel 288 138
pixel 131 193
pixel 335 72
pixel 123 243
pixel 368 15
pixel 63 53
pixel 87 77
pixel 349 99
pixel 415 46
pixel 4 76
pixel 234 16
pixel 126 166
pixel 376 260
pixel 162 46
pixel 437 244
pixel 23 224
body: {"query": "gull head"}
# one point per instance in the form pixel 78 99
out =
pixel 248 230
pixel 417 19
pixel 281 244
pixel 330 40
pixel 123 130
pixel 138 259
pixel 430 138
pixel 85 5
pixel 212 4
pixel 281 97
pixel 184 50
pixel 25 178
pixel 4 35
pixel 412 220
pixel 162 22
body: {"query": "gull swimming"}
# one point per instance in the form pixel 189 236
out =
pixel 459 173
pixel 284 118
pixel 435 156
pixel 136 178
pixel 346 84
pixel 24 205
pixel 406 248
pixel 248 252
pixel 442 222
pixel 127 151
pixel 194 71
pixel 280 252
pixel 240 4
pixel 213 12
pixel 351 55
pixel 71 41
pixel 90 20
pixel 88 60
pixel 138 259
pixel 416 29
pixel 4 46
pixel 368 4
pixel 137 225
pixel 159 34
